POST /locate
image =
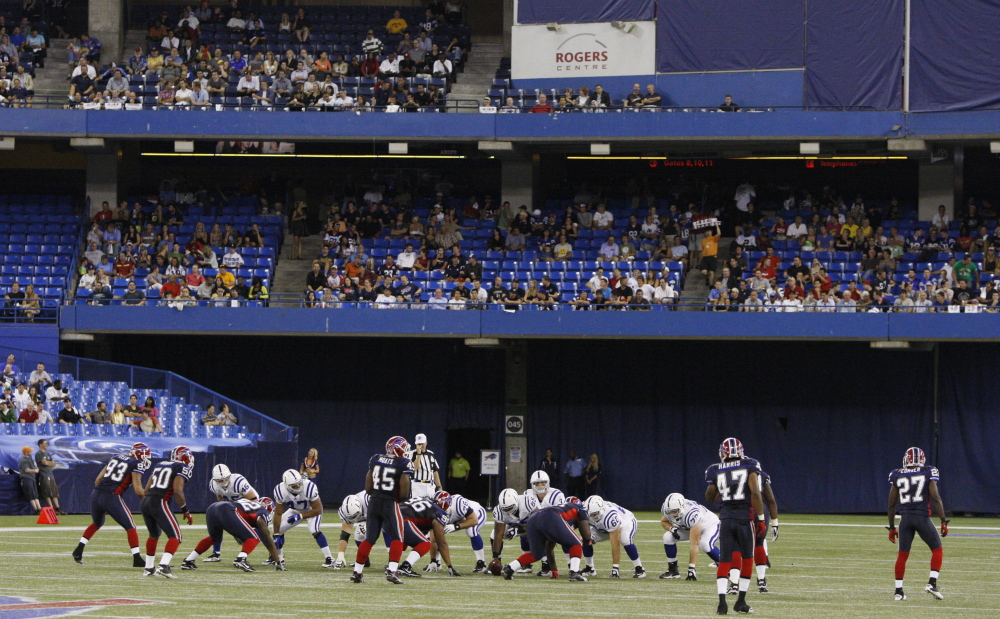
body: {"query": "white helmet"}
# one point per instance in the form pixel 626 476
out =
pixel 595 506
pixel 674 506
pixel 292 481
pixel 508 500
pixel 220 475
pixel 352 507
pixel 540 482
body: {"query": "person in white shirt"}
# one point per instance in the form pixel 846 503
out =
pixel 509 107
pixel 438 301
pixel 188 21
pixel 603 219
pixel 84 66
pixel 343 102
pixel 392 107
pixel 390 66
pixel 825 303
pixel 753 303
pixel 847 304
pixel 406 258
pixel 797 230
pixel 594 283
pixel 232 260
pixel 664 292
pixel 113 102
pixel 170 42
pixel 487 107
pixel 385 299
pixel 792 305
pixel 43 415
pixel 457 300
pixel 249 84
pixel 183 94
pixel 745 194
pixel 327 101
pixel 236 22
pixel 942 219
pixel 93 103
pixel 442 67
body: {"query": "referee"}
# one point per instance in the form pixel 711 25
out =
pixel 426 479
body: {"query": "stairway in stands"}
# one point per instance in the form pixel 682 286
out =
pixel 474 81
pixel 50 80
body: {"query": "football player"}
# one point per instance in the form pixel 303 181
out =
pixel 166 481
pixel 913 492
pixel 121 472
pixel 461 514
pixel 760 558
pixel 247 521
pixel 353 512
pixel 227 486
pixel 423 517
pixel 736 482
pixel 611 522
pixel 510 519
pixel 554 525
pixel 388 483
pixel 547 496
pixel 688 520
pixel 300 498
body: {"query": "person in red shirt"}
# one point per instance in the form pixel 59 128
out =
pixel 824 281
pixel 769 263
pixel 124 266
pixel 171 287
pixel 28 415
pixel 105 214
pixel 194 278
pixel 543 106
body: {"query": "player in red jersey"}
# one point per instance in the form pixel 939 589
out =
pixel 112 482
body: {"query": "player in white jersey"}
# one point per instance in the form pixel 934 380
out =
pixel 510 518
pixel 461 513
pixel 547 496
pixel 610 521
pixel 353 513
pixel 297 500
pixel 231 487
pixel 686 520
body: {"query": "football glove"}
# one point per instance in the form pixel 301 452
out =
pixel 893 534
pixel 761 529
pixel 510 532
pixel 280 566
pixel 676 532
pixel 361 532
pixel 293 518
pixel 188 517
pixel 692 573
pixel 614 572
pixel 450 528
pixel 554 574
pixel 433 566
pixel 944 528
pixel 774 530
pixel 452 571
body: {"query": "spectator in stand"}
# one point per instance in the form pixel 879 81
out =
pixel 515 240
pixel 210 418
pixel 40 379
pixel 728 105
pixel 101 416
pixel 603 219
pixel 371 45
pixel 600 98
pixel 651 99
pixel 709 253
pixel 69 414
pixel 634 98
pixel 397 24
pixel 609 250
pixel 443 68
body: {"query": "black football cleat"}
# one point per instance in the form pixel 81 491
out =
pixel 391 577
pixel 588 571
pixel 762 585
pixel 357 577
pixel 742 607
pixel 78 554
pixel 328 563
pixel 164 570
pixel 268 561
pixel 577 577
pixel 899 596
pixel 405 569
pixel 243 564
pixel 137 561
pixel 480 567
pixel 639 572
pixel 212 558
pixel 149 571
pixel 189 565
pixel 934 591
pixel 723 608
pixel 507 573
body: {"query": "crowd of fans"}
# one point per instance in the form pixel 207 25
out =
pixel 506 100
pixel 827 254
pixel 23 46
pixel 273 65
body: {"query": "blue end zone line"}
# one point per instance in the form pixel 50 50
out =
pixel 337 525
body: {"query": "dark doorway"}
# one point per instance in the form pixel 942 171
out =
pixel 469 441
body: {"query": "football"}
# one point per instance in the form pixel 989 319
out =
pixel 495 567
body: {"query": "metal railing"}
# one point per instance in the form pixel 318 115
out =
pixel 18 313
pixel 50 102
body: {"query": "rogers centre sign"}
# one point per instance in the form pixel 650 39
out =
pixel 582 50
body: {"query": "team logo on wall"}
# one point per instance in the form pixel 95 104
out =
pixel 582 52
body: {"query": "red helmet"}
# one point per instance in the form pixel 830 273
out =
pixel 268 504
pixel 182 454
pixel 730 449
pixel 443 499
pixel 140 451
pixel 396 446
pixel 914 458
pixel 573 499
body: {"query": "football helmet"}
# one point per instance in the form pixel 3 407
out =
pixel 673 507
pixel 573 499
pixel 292 480
pixel 730 449
pixel 540 482
pixel 508 500
pixel 396 446
pixel 182 454
pixel 595 507
pixel 140 451
pixel 353 507
pixel 443 499
pixel 268 504
pixel 914 458
pixel 220 475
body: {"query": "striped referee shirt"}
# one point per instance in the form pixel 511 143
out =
pixel 424 473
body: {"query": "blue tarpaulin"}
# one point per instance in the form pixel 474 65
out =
pixel 854 54
pixel 545 11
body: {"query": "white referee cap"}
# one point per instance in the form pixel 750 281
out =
pixel 420 440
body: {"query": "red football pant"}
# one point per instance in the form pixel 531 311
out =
pixel 759 556
pixel 937 557
pixel 901 564
pixel 250 544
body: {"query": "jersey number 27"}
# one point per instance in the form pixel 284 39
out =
pixel 383 477
pixel 911 489
pixel 732 484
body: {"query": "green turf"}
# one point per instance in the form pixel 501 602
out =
pixel 819 571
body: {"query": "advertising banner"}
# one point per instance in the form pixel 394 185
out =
pixel 583 50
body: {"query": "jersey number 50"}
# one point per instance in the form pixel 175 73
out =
pixel 160 479
pixel 737 478
pixel 383 477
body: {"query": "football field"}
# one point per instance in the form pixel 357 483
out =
pixel 823 566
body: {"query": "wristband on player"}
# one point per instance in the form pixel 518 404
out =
pixel 184 509
pixel 496 555
pixel 760 517
pixel 614 566
pixel 692 567
pixel 774 522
